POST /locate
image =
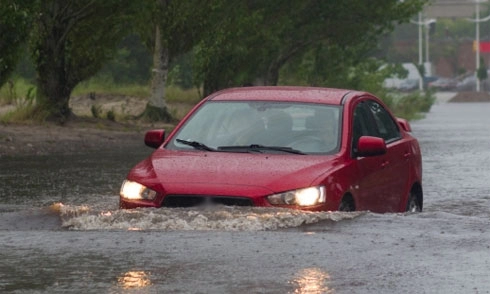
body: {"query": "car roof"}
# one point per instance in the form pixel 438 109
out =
pixel 285 93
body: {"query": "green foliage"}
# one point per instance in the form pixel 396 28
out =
pixel 130 64
pixel 154 114
pixel 106 85
pixel 364 75
pixel 17 91
pixel 181 23
pixel 260 38
pixel 460 29
pixel 449 35
pixel 412 105
pixel 25 113
pixel 170 29
pixel 15 21
pixel 180 73
pixel 96 111
pixel 92 46
pixel 8 93
pixel 25 67
pixel 71 42
pixel 110 115
pixel 482 73
pixel 179 95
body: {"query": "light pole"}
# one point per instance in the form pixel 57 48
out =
pixel 421 23
pixel 427 23
pixel 477 21
pixel 477 49
pixel 421 61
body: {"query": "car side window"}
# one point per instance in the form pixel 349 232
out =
pixel 361 124
pixel 387 127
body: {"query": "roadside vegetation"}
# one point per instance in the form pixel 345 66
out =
pixel 21 98
pixel 170 54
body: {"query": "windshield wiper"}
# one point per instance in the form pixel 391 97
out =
pixel 259 148
pixel 196 145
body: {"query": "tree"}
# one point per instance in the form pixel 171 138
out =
pixel 15 21
pixel 130 64
pixel 71 41
pixel 481 72
pixel 175 27
pixel 234 49
pixel 271 33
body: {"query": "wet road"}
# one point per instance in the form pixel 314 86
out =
pixel 61 232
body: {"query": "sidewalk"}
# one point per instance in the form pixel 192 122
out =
pixel 443 97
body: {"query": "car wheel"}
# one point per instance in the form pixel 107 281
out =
pixel 347 204
pixel 413 204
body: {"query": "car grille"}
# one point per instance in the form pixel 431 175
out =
pixel 202 200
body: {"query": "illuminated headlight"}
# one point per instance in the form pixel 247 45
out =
pixel 136 191
pixel 302 197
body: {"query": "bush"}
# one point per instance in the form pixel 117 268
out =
pixel 412 105
pixel 17 91
pixel 96 111
pixel 111 115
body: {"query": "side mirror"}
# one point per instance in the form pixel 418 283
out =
pixel 370 146
pixel 154 138
pixel 404 124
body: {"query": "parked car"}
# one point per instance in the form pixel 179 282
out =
pixel 292 147
pixel 409 85
pixel 467 84
pixel 429 79
pixel 443 84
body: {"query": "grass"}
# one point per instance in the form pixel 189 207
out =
pixel 179 100
pixel 21 93
pixel 24 114
pixel 101 87
pixel 16 91
pixel 174 94
pixel 178 95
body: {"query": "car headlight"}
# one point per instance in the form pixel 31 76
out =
pixel 136 191
pixel 302 197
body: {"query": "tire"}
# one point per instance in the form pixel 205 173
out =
pixel 347 205
pixel 413 203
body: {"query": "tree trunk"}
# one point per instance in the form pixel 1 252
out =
pixel 211 85
pixel 272 76
pixel 53 87
pixel 156 109
pixel 53 96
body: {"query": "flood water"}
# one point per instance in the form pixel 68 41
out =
pixel 61 231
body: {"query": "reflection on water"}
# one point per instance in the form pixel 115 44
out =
pixel 89 178
pixel 134 280
pixel 312 280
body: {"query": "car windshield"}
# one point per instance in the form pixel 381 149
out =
pixel 261 127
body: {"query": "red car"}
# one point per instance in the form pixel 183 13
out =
pixel 307 148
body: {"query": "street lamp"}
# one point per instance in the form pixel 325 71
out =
pixel 477 21
pixel 424 23
pixel 428 23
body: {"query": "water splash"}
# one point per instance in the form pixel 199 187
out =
pixel 220 218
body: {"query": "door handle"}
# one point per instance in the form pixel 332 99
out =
pixel 385 164
pixel 407 154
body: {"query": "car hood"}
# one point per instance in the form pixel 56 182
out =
pixel 271 172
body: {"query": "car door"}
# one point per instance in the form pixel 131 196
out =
pixel 395 166
pixel 380 177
